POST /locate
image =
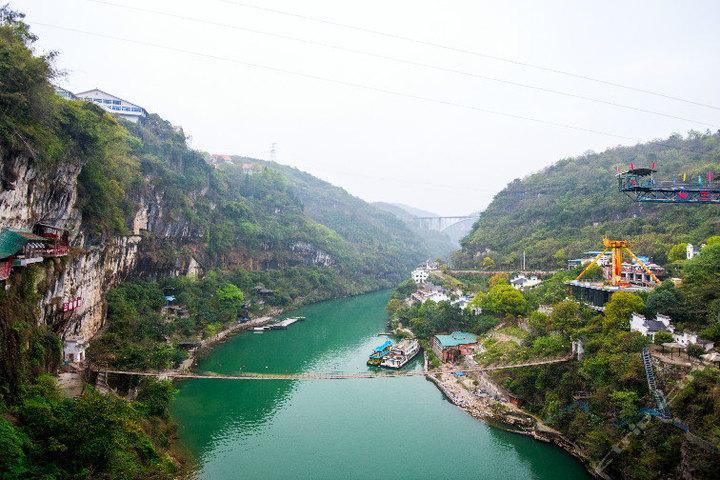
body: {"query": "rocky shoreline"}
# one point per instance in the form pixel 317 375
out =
pixel 506 417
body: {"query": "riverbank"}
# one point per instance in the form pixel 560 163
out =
pixel 223 335
pixel 503 415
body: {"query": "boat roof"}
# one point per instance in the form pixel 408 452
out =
pixel 383 346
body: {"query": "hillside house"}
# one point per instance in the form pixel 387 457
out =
pixel 638 323
pixel 521 281
pixel 689 338
pixel 448 348
pixel 74 349
pixel 115 105
pixel 420 275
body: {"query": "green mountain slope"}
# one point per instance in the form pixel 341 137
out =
pixel 570 206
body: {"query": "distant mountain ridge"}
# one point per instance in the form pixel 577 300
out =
pixel 571 205
pixel 400 209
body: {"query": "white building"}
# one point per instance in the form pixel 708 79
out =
pixel 66 94
pixel 420 275
pixel 74 349
pixel 689 338
pixel 521 281
pixel 115 105
pixel 437 297
pixel 638 323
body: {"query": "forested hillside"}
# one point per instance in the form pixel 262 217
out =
pixel 570 206
pixel 388 245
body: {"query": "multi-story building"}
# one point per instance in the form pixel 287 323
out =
pixel 115 105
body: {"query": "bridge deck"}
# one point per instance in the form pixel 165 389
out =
pixel 333 375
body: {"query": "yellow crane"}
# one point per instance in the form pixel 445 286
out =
pixel 617 246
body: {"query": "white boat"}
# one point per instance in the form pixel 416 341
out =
pixel 259 329
pixel 401 353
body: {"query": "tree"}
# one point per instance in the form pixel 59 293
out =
pixel 593 273
pixel 499 279
pixel 565 316
pixel 619 309
pixel 695 350
pixel 504 300
pixel 488 263
pixel 712 240
pixel 663 337
pixel 392 306
pixel 663 299
pixel 678 252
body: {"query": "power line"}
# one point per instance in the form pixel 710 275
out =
pixel 404 61
pixel 343 82
pixel 466 51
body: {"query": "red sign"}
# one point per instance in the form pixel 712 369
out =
pixel 72 305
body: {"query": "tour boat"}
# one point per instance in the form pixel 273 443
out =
pixel 401 353
pixel 378 353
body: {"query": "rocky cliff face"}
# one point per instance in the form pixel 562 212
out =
pixel 32 195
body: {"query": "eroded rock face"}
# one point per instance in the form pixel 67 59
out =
pixel 312 255
pixel 32 195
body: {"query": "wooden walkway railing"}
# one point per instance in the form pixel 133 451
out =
pixel 337 375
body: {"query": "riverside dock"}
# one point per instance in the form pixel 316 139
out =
pixel 281 325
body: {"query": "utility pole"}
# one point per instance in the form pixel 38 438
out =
pixel 272 152
pixel 523 260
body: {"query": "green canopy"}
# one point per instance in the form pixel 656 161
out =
pixel 13 240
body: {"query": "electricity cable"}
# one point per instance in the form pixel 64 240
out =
pixel 360 86
pixel 405 61
pixel 466 51
pixel 340 82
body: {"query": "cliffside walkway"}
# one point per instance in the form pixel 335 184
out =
pixel 338 375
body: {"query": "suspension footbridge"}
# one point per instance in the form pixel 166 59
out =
pixel 332 375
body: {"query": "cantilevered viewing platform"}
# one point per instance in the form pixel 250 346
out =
pixel 596 294
pixel 639 185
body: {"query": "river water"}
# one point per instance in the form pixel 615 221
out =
pixel 400 428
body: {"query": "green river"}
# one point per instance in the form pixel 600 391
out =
pixel 337 429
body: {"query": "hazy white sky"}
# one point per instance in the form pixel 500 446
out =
pixel 386 130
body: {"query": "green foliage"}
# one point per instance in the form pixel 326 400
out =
pixel 678 252
pixel 405 289
pixel 565 316
pixel 695 350
pixel 619 309
pixel 701 285
pixel 27 110
pixel 95 436
pixel 663 299
pixel 569 207
pixel 392 306
pixel 504 300
pixel 663 337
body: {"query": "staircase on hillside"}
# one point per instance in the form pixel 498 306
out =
pixel 663 408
